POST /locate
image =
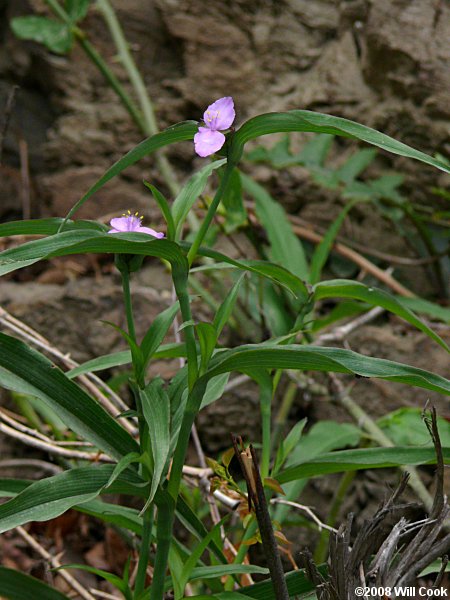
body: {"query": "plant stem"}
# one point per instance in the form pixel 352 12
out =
pixel 210 214
pixel 320 554
pixel 166 518
pixel 265 400
pixel 166 510
pixel 180 282
pixel 127 301
pixel 144 551
pixel 283 412
pixel 149 124
pixel 112 80
pixel 100 64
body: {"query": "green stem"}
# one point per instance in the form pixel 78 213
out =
pixel 99 63
pixel 320 555
pixel 180 282
pixel 149 124
pixel 127 300
pixel 166 517
pixel 166 510
pixel 112 80
pixel 130 66
pixel 266 414
pixel 144 552
pixel 210 214
pixel 283 413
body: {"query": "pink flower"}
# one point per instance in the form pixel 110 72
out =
pixel 129 222
pixel 218 116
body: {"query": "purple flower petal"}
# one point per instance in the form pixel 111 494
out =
pixel 119 224
pixel 149 230
pixel 132 223
pixel 220 114
pixel 207 141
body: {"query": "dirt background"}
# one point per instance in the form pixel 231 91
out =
pixel 383 63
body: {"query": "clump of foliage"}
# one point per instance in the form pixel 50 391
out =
pixel 142 449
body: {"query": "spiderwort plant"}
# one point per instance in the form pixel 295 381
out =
pixel 151 466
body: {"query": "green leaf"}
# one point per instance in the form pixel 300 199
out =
pixel 321 438
pixel 11 487
pixel 271 271
pixel 362 458
pixel 122 465
pixel 165 209
pixel 193 524
pixel 48 498
pixel 46 226
pixel 56 36
pixel 176 133
pixel 136 352
pixel 190 192
pixel 156 409
pixel 296 581
pixel 342 288
pixel 27 371
pixel 305 120
pixel 197 552
pixel 316 358
pixel 117 359
pixel 435 311
pixel 15 585
pixel 232 202
pixel 157 332
pixel 84 242
pixel 405 427
pixel 77 9
pixel 288 444
pixel 355 165
pixel 222 596
pixel 226 308
pixel 207 338
pixel 114 580
pixel 215 389
pixel 285 247
pixel 115 514
pixel 315 152
pixel 323 250
pixel 209 572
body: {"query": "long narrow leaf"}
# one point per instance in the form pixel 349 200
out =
pixel 15 585
pixel 342 288
pixel 50 497
pixel 42 379
pixel 46 226
pixel 322 251
pixel 315 358
pixel 190 192
pixel 266 269
pixel 226 308
pixel 305 120
pixel 296 581
pixel 123 357
pixel 362 458
pixel 156 409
